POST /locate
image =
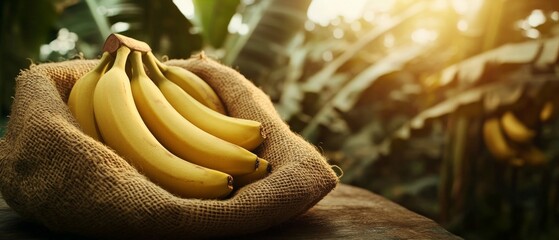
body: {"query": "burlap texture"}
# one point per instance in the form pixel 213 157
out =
pixel 50 172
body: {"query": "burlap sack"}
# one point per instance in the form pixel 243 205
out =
pixel 54 174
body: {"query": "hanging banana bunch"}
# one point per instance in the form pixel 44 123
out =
pixel 510 137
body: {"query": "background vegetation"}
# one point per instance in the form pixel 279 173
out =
pixel 396 96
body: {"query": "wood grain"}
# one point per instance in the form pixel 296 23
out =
pixel 346 213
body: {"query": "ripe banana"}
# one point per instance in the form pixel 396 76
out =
pixel 495 140
pixel 80 100
pixel 193 85
pixel 243 132
pixel 547 112
pixel 515 129
pixel 181 136
pixel 263 170
pixel 123 130
pixel 533 156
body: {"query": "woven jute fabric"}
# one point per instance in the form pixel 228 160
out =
pixel 52 173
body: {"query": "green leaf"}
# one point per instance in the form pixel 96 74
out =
pixel 213 17
pixel 344 99
pixel 252 14
pixel 361 146
pixel 396 60
pixel 291 95
pixel 277 29
pixel 26 25
pixel 100 20
pixel 469 72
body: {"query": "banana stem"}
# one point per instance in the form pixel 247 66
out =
pixel 106 58
pixel 137 64
pixel 154 70
pixel 121 57
pixel 160 65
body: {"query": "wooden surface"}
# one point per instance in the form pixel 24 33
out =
pixel 346 213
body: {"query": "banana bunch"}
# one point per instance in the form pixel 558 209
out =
pixel 510 138
pixel 170 125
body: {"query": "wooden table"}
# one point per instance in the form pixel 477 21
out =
pixel 346 213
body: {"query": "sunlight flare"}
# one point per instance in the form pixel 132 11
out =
pixel 324 11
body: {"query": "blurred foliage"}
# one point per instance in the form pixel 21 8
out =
pixel 21 38
pixel 213 16
pixel 397 98
pixel 263 55
pixel 404 118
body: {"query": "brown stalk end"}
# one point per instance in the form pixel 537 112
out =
pixel 257 163
pixel 115 41
pixel 230 182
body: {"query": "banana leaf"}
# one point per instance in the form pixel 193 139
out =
pixel 261 54
pixel 213 17
pixel 344 99
pixel 542 53
pixel 532 76
pixel 26 25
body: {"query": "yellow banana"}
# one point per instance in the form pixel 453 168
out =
pixel 547 112
pixel 495 140
pixel 533 156
pixel 123 130
pixel 263 170
pixel 517 162
pixel 193 85
pixel 243 132
pixel 515 129
pixel 181 136
pixel 80 100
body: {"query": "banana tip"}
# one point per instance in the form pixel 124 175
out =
pixel 230 182
pixel 257 163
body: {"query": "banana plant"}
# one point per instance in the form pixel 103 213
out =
pixel 213 18
pixel 261 53
pixel 22 36
pixel 158 23
pixel 478 95
pixel 415 102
